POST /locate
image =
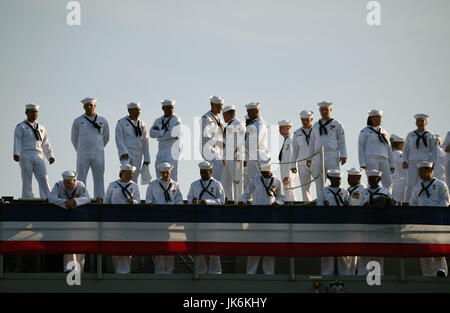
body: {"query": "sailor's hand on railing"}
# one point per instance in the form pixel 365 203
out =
pixel 202 202
pixel 276 204
pixel 343 160
pixel 308 163
pixel 346 203
pixel 130 200
pixel 150 203
pixel 241 203
pixel 326 203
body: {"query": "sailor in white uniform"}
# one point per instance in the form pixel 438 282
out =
pixel 212 138
pixel 372 192
pixel 439 170
pixel 167 130
pixel 123 191
pixel 267 189
pixel 329 133
pixel 207 191
pixel 132 139
pixel 400 175
pixel 285 158
pixel 31 144
pixel 420 145
pixel 335 195
pixel 164 190
pixel 70 193
pixel 90 134
pixel 446 147
pixel 430 191
pixel 301 142
pixel 355 189
pixel 234 135
pixel 374 149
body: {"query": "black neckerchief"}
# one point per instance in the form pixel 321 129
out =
pixel 72 195
pixel 424 139
pixel 323 126
pixel 380 135
pixel 307 136
pixel 36 132
pixel 426 188
pixel 165 126
pixel 94 122
pixel 352 190
pixel 280 155
pixel 125 191
pixel 248 122
pixel 374 194
pixel 337 197
pixel 218 122
pixel 166 191
pixel 137 129
pixel 269 190
pixel 205 189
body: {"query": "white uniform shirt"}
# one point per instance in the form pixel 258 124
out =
pixel 114 194
pixel 300 146
pixel 213 195
pixel 328 194
pixel 155 193
pixel 126 140
pixel 377 192
pixel 438 192
pixel 168 130
pixel 86 138
pixel 256 140
pixel 356 194
pixel 59 195
pixel 400 173
pixel 333 142
pixel 370 145
pixel 441 163
pixel 258 188
pixel 411 153
pixel 212 137
pixel 286 156
pixel 25 143
pixel 235 132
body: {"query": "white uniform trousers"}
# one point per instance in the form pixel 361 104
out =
pixel 399 189
pixel 346 265
pixel 413 178
pixel 251 170
pixel 218 170
pixel 447 168
pixel 229 176
pixel 122 264
pixel 135 159
pixel 73 258
pixel 330 163
pixel 166 155
pixel 364 260
pixel 305 175
pixel 382 165
pixel 268 264
pixel 289 192
pixel 430 266
pixel 215 267
pixel 35 165
pixel 97 164
pixel 163 264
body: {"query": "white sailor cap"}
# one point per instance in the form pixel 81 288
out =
pixel 424 164
pixel 32 106
pixel 325 104
pixel 396 138
pixel 127 167
pixel 216 100
pixel 134 105
pixel 69 175
pixel 334 173
pixel 165 167
pixel 228 108
pixel 205 165
pixel 374 173
pixel 168 102
pixel 420 115
pixel 252 105
pixel 264 165
pixel 375 112
pixel 354 171
pixel 306 114
pixel 89 100
pixel 284 123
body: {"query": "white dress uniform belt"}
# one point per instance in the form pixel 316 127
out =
pixel 94 122
pixel 337 197
pixel 307 136
pixel 424 140
pixel 205 189
pixel 269 190
pixel 137 129
pixel 380 135
pixel 323 127
pixel 426 188
pixel 36 132
pixel 166 191
pixel 125 192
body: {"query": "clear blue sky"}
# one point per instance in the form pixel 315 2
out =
pixel 287 55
